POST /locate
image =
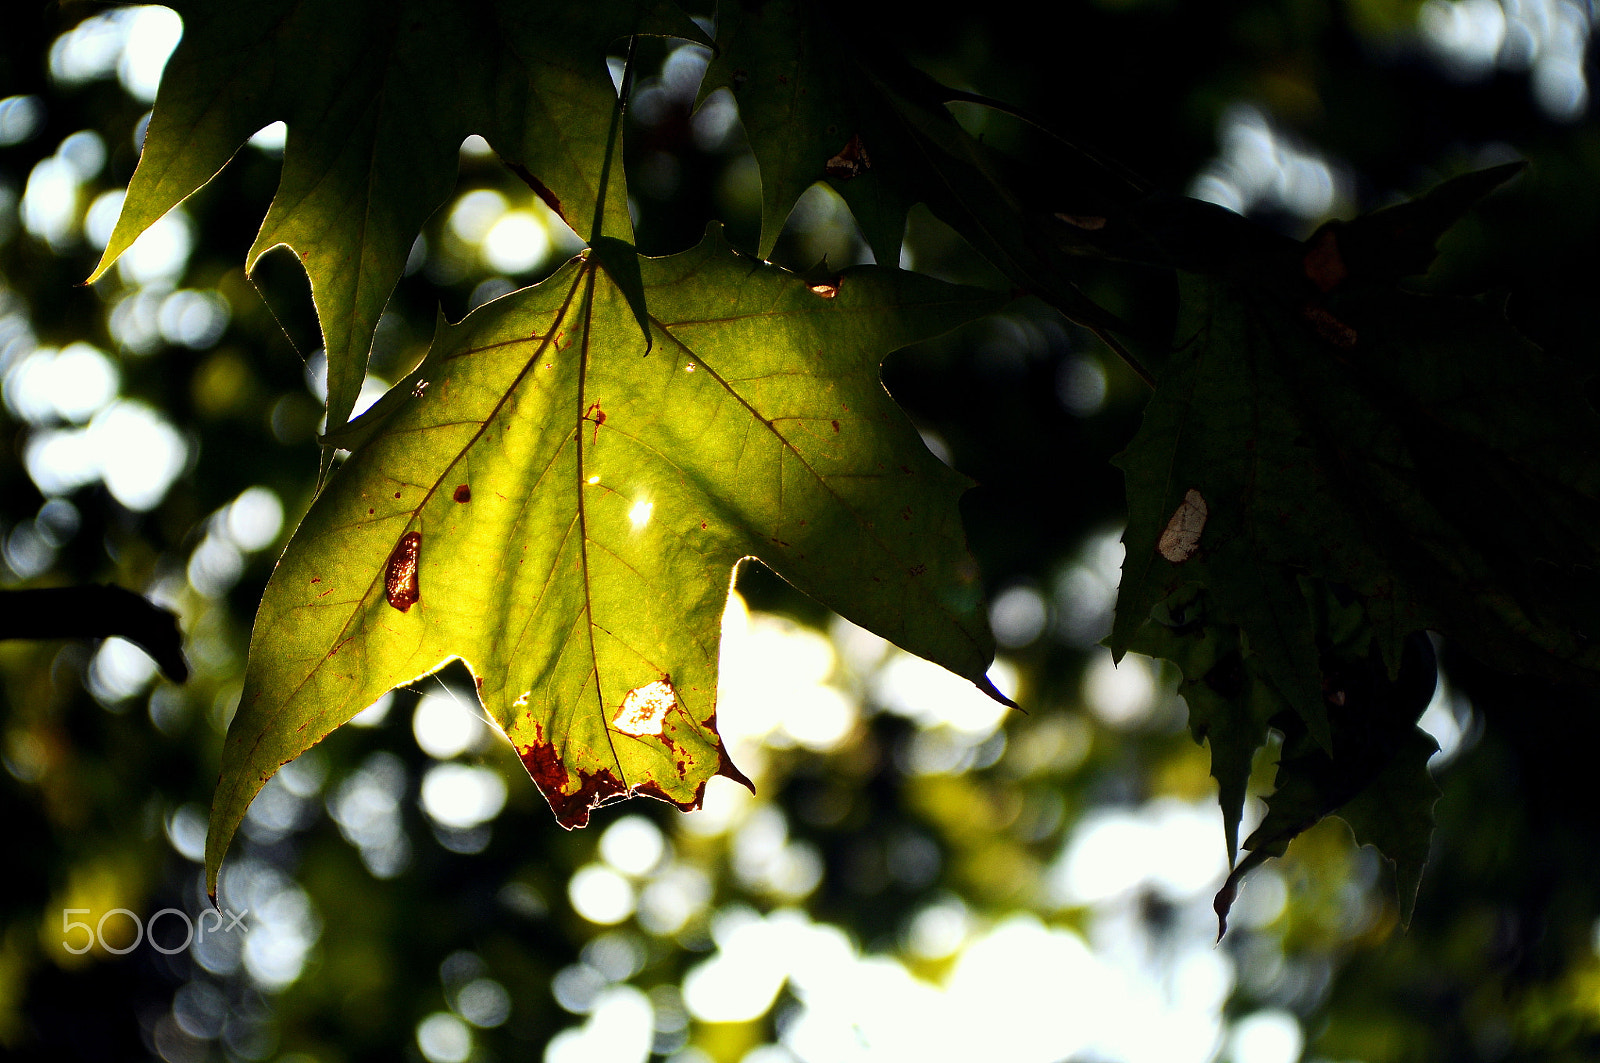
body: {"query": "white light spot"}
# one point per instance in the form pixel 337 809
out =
pixel 445 727
pixel 1121 695
pixel 939 930
pixel 475 213
pixel 194 319
pixel 619 1029
pixel 443 1038
pixel 462 796
pixel 639 514
pixel 101 218
pixel 484 1003
pixel 118 671
pixel 254 518
pixel 600 894
pixel 593 480
pixel 1018 615
pixel 157 258
pixel 632 845
pixel 153 33
pixel 675 895
pixel 373 714
pixel 270 139
pixel 20 118
pixel 70 385
pixel 1167 845
pixel 140 454
pixel 50 201
pixel 516 243
pixel 1269 1036
pixel 930 695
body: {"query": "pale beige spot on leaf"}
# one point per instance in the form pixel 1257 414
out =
pixel 1181 538
pixel 644 710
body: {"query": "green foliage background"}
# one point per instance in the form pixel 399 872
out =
pixel 1500 961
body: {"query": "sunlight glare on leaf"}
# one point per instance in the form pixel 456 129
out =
pixel 639 513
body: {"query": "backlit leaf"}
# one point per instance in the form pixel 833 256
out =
pixel 578 506
pixel 378 96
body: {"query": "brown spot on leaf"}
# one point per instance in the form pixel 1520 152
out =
pixel 400 577
pixel 1181 538
pixel 852 160
pixel 463 493
pixel 835 426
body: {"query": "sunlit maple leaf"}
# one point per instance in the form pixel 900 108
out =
pixel 561 510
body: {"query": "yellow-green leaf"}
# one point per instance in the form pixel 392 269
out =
pixel 562 511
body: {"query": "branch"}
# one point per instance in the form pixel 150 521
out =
pixel 95 612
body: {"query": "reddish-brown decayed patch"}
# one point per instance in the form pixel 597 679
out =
pixel 462 493
pixel 649 788
pixel 400 586
pixel 550 775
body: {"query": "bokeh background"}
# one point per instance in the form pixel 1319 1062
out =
pixel 921 874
